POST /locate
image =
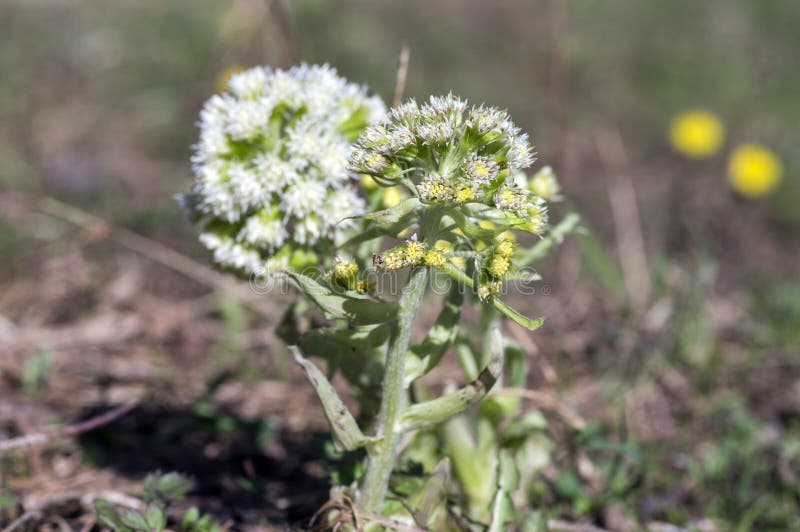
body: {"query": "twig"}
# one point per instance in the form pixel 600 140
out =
pixel 627 221
pixel 69 430
pixel 281 17
pixel 114 497
pixel 155 251
pixel 547 401
pixel 402 74
pixel 21 520
pixel 558 78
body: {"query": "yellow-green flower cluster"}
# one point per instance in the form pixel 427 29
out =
pixel 497 265
pixel 408 254
pixel 446 152
pixel 434 258
pixel 344 273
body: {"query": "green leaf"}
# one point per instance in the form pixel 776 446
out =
pixel 388 222
pixel 428 503
pixel 194 522
pixel 521 428
pixel 107 515
pixel 507 481
pixel 169 487
pixel 468 465
pixel 535 521
pixel 460 276
pixel 356 309
pixel 524 275
pixel 425 356
pixel 472 230
pixel 189 518
pixel 516 364
pixel 442 408
pixel 346 433
pixel 466 357
pixel 156 520
pixel 356 352
pixel 135 521
pixel 508 476
pixel 501 512
pixel 516 317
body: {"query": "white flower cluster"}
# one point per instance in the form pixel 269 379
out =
pixel 451 153
pixel 270 166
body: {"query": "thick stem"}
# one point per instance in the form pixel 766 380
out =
pixel 381 460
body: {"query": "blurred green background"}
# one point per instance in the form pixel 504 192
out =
pixel 97 107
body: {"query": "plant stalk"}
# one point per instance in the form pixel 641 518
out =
pixel 381 461
pixel 381 458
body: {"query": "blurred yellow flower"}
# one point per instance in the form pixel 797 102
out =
pixel 392 196
pixel 696 133
pixel 444 246
pixel 483 224
pixel 225 76
pixel 368 183
pixel 754 170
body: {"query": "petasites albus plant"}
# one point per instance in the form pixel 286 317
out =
pixel 281 172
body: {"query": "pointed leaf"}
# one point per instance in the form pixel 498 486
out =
pixel 443 408
pixel 357 309
pixel 524 275
pixel 156 520
pixel 516 317
pixel 107 515
pixel 388 222
pixel 460 276
pixel 356 352
pixel 428 501
pixel 501 506
pixel 135 521
pixel 473 230
pixel 346 434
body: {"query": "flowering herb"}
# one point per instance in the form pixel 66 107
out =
pixel 279 165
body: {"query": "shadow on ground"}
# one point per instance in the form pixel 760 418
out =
pixel 243 471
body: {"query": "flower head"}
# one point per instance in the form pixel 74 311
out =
pixel 754 170
pixel 696 133
pixel 344 273
pixel 270 166
pixel 446 152
pixel 434 258
pixel 544 184
pixel 411 253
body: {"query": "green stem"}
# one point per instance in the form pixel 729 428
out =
pixel 382 455
pixel 556 235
